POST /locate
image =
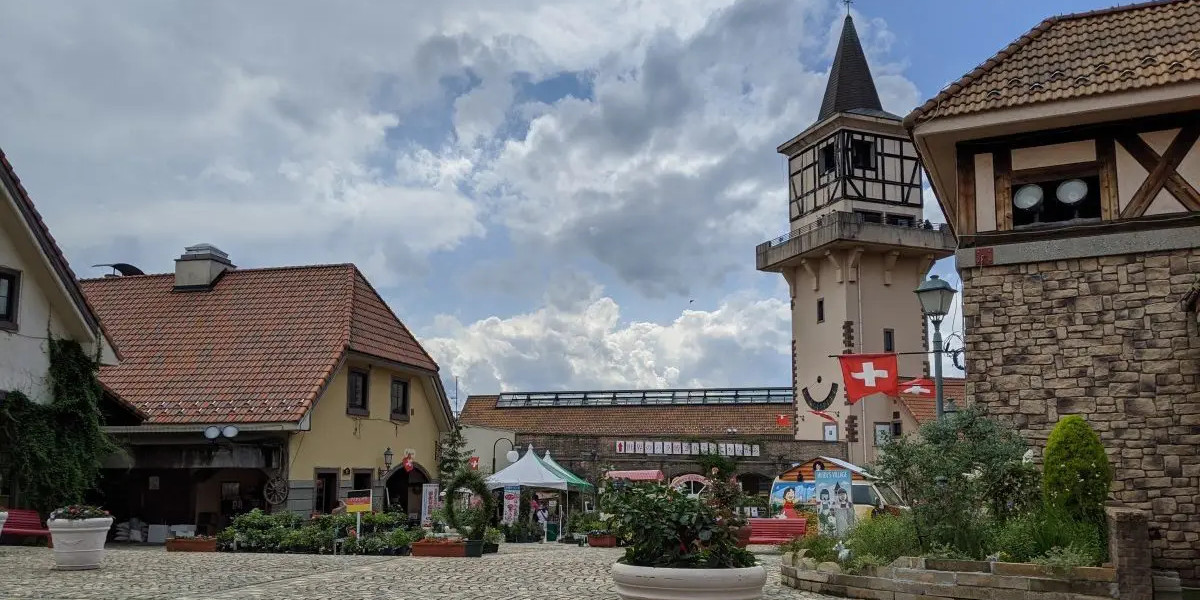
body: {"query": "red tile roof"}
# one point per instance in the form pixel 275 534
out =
pixel 10 181
pixel 258 347
pixel 654 420
pixel 924 409
pixel 1078 55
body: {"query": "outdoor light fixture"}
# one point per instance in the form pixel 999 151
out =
pixel 1028 197
pixel 1071 191
pixel 512 455
pixel 936 296
pixel 388 455
pixel 213 432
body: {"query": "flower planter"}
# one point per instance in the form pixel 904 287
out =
pixel 191 545
pixel 474 548
pixel 490 548
pixel 648 583
pixel 79 543
pixel 602 541
pixel 453 549
pixel 3 518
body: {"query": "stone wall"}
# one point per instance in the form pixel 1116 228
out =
pixel 1106 338
pixel 587 456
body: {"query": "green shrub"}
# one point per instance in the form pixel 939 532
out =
pixel 1060 560
pixel 820 547
pixel 1024 538
pixel 399 538
pixel 664 528
pixel 946 552
pixel 1077 474
pixel 858 564
pixel 885 537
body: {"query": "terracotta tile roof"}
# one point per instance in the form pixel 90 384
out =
pixel 9 179
pixel 258 347
pixel 1078 55
pixel 924 409
pixel 657 420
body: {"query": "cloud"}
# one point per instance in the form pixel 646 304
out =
pixel 577 340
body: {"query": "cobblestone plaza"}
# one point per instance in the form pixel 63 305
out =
pixel 533 572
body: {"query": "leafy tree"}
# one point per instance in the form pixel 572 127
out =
pixel 1077 474
pixel 452 454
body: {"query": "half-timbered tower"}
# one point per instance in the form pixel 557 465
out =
pixel 1069 167
pixel 856 251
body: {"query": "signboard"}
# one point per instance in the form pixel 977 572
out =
pixel 429 501
pixel 358 501
pixel 831 490
pixel 512 504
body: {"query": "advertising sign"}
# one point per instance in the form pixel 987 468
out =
pixel 834 506
pixel 358 501
pixel 429 501
pixel 512 504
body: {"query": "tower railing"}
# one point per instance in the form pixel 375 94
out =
pixel 844 225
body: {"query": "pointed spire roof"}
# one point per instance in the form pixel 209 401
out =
pixel 850 87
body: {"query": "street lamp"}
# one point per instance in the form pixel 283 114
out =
pixel 936 296
pixel 512 455
pixel 388 455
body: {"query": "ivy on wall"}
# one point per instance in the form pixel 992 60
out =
pixel 53 452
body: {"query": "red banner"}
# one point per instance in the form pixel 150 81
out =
pixel 783 420
pixel 866 374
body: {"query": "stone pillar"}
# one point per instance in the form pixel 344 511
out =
pixel 1129 551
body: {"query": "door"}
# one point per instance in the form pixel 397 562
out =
pixel 325 491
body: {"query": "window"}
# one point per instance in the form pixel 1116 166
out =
pixel 903 221
pixel 831 433
pixel 862 154
pixel 1055 201
pixel 866 216
pixel 10 288
pixel 356 393
pixel 889 340
pixel 863 494
pixel 362 480
pixel 883 433
pixel 821 310
pixel 399 400
pixel 828 159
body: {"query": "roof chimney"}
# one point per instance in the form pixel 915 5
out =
pixel 199 267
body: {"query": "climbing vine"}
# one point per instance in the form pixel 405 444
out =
pixel 53 452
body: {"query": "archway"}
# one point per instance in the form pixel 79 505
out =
pixel 404 488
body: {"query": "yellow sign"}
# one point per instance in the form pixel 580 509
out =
pixel 358 501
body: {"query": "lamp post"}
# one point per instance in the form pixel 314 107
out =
pixel 511 450
pixel 936 296
pixel 388 455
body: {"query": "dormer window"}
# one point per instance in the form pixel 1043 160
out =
pixel 828 159
pixel 1056 201
pixel 862 154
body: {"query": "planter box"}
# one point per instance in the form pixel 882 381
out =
pixel 490 548
pixel 648 583
pixel 456 549
pixel 78 543
pixel 191 545
pixel 602 541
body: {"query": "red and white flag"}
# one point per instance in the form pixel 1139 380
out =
pixel 866 374
pixel 917 387
pixel 783 420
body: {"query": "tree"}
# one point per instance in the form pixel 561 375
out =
pixel 452 454
pixel 1077 474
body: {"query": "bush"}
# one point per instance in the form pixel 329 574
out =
pixel 885 537
pixel 1077 474
pixel 1061 560
pixel 819 547
pixel 664 528
pixel 286 532
pixel 858 564
pixel 1029 536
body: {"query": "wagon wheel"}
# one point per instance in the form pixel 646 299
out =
pixel 276 490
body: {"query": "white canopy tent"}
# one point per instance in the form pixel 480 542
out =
pixel 529 471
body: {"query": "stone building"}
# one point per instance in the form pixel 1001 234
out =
pixel 1068 166
pixel 592 432
pixel 856 250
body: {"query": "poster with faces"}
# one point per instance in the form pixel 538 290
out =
pixel 640 447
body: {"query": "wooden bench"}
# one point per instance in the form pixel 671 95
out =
pixel 776 531
pixel 24 522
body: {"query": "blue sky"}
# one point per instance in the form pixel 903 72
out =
pixel 552 194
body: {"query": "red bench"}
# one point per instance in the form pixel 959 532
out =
pixel 24 522
pixel 776 531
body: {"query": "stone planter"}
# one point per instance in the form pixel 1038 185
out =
pixel 191 545
pixel 79 543
pixel 648 583
pixel 450 550
pixel 3 518
pixel 602 541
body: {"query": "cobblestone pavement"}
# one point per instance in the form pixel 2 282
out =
pixel 519 572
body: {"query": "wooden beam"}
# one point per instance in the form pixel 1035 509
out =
pixel 965 206
pixel 1150 160
pixel 1002 169
pixel 1053 172
pixel 1106 157
pixel 1166 166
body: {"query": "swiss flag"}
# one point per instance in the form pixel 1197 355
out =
pixel 474 462
pixel 866 374
pixel 783 420
pixel 407 463
pixel 917 387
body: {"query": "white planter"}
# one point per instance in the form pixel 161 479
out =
pixel 79 543
pixel 3 518
pixel 648 583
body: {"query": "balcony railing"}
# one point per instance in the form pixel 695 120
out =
pixel 851 226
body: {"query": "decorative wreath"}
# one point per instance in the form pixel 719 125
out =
pixel 473 481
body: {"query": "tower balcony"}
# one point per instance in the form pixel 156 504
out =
pixel 841 229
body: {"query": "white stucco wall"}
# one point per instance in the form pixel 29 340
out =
pixel 481 440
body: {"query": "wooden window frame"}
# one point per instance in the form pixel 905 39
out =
pixel 365 409
pixel 403 414
pixel 827 159
pixel 10 323
pixel 870 163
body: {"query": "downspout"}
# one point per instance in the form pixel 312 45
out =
pixel 861 332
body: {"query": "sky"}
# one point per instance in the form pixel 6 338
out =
pixel 552 194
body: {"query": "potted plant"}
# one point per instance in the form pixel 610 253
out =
pixel 77 533
pixel 491 540
pixel 678 547
pixel 199 543
pixel 440 546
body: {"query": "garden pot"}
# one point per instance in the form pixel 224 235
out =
pixel 79 543
pixel 649 583
pixel 403 551
pixel 457 549
pixel 474 548
pixel 602 541
pixel 3 518
pixel 490 548
pixel 191 545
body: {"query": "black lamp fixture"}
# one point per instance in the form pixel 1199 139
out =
pixel 388 455
pixel 936 297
